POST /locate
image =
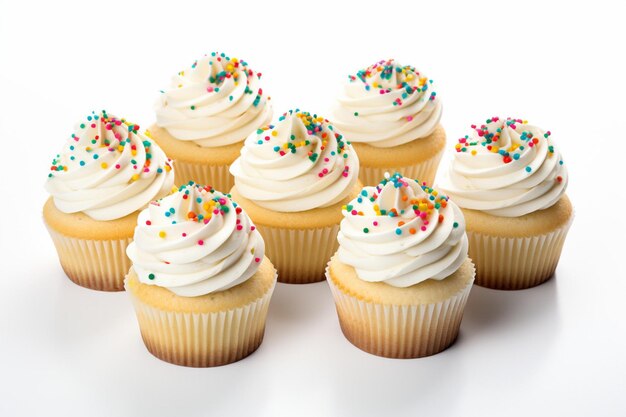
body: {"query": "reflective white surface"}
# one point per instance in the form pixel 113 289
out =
pixel 557 349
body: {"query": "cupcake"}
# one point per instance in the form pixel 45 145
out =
pixel 293 178
pixel 509 179
pixel 200 282
pixel 203 118
pixel 401 276
pixel 106 173
pixel 391 115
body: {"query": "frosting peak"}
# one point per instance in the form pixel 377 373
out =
pixel 108 169
pixel 300 163
pixel 387 104
pixel 194 242
pixel 216 102
pixel 402 233
pixel 506 167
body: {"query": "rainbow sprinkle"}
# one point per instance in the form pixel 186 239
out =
pixel 91 140
pixel 425 208
pixel 224 68
pixel 388 76
pixel 315 126
pixel 489 139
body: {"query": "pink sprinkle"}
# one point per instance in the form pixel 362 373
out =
pixel 184 234
pixel 354 212
pixel 216 211
pixel 345 174
pixel 257 259
pixel 252 228
pixel 206 221
pixel 423 228
pixel 382 91
pixel 109 127
pixel 146 170
pixel 267 138
pixel 375 223
pixel 201 242
pixel 320 175
pixel 409 118
pixel 210 89
pixel 239 227
pixel 325 170
pixel 117 166
pixel 326 159
pixel 423 215
pixel 425 221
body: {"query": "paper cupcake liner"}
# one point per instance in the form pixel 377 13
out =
pixel 300 255
pixel 95 264
pixel 516 263
pixel 216 176
pixel 400 331
pixel 424 171
pixel 203 339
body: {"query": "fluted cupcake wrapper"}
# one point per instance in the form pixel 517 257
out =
pixel 516 263
pixel 424 171
pixel 217 176
pixel 400 331
pixel 203 339
pixel 300 255
pixel 95 264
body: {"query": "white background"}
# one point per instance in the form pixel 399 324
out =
pixel 558 349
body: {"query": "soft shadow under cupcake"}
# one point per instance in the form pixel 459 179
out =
pixel 493 310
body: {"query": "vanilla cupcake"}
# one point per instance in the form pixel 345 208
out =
pixel 106 172
pixel 203 118
pixel 391 115
pixel 509 179
pixel 401 276
pixel 293 178
pixel 200 282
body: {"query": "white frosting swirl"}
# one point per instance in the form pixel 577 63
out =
pixel 387 105
pixel 216 102
pixel 301 163
pixel 506 168
pixel 195 242
pixel 401 233
pixel 108 170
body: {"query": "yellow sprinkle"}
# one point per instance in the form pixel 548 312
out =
pixel 133 152
pixel 174 189
pixel 135 177
pixel 168 169
pixel 474 152
pixel 274 133
pixel 495 149
pixel 104 165
pixel 162 234
pixel 148 134
pixel 120 148
pixel 230 67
